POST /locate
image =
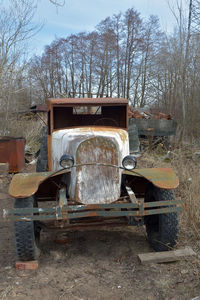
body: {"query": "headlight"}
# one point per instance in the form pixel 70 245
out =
pixel 66 161
pixel 129 162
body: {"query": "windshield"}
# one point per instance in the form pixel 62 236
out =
pixel 87 110
pixel 78 116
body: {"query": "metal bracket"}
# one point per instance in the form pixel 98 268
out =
pixel 134 220
pixel 60 214
pixel 131 195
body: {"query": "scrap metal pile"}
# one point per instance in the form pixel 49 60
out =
pixel 147 115
pixel 152 127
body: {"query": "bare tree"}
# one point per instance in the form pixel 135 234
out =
pixel 127 57
pixel 133 31
pixel 15 29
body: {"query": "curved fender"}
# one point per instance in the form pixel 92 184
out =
pixel 26 184
pixel 164 178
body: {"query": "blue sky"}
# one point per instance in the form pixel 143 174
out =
pixel 84 15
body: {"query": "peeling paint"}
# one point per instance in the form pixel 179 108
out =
pixel 109 179
pixel 98 184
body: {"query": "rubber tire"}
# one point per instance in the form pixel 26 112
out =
pixel 26 233
pixel 42 161
pixel 162 229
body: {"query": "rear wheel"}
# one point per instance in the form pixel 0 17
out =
pixel 26 233
pixel 162 229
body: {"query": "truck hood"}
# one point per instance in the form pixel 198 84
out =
pixel 92 184
pixel 66 141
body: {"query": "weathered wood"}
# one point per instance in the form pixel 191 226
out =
pixel 166 256
pixel 26 265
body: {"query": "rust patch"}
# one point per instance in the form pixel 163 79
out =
pixel 27 184
pixel 86 101
pixel 164 178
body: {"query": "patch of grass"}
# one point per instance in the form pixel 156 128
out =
pixel 30 129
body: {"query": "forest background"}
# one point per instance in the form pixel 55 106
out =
pixel 125 56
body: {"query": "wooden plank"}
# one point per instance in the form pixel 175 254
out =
pixel 26 265
pixel 166 256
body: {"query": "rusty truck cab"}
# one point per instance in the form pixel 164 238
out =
pixel 82 112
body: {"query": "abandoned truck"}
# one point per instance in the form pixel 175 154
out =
pixel 88 178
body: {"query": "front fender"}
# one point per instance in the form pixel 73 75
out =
pixel 27 184
pixel 164 178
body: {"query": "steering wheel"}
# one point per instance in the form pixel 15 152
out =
pixel 106 122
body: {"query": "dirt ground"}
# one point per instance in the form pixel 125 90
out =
pixel 94 265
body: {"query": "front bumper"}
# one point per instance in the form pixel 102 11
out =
pixel 66 212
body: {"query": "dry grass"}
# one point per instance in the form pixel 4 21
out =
pixel 30 129
pixel 188 171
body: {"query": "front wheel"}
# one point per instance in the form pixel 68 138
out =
pixel 26 233
pixel 162 229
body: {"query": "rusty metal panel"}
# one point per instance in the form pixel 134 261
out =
pixel 86 101
pixel 27 184
pixel 101 210
pixel 164 178
pixel 97 184
pixel 12 151
pixel 155 127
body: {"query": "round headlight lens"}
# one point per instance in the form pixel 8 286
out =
pixel 66 161
pixel 129 162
